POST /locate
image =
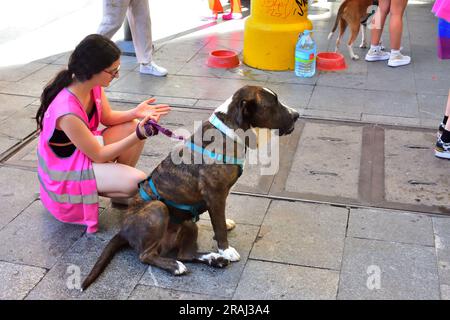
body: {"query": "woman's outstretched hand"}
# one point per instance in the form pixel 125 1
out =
pixel 156 111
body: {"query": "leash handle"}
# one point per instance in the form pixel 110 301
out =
pixel 163 130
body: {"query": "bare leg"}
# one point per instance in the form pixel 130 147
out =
pixel 379 18
pixel 396 23
pixel 119 180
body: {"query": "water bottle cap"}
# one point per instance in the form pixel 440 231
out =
pixel 306 32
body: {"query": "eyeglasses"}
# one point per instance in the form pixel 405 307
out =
pixel 114 72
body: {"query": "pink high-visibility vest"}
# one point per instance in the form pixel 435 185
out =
pixel 441 9
pixel 67 185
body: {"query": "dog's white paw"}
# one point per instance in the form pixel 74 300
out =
pixel 363 45
pixel 181 269
pixel 230 254
pixel 355 57
pixel 230 224
pixel 209 257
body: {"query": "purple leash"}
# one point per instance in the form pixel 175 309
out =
pixel 156 127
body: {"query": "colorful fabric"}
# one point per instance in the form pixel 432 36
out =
pixel 68 187
pixel 441 9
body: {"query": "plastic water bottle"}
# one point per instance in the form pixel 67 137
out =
pixel 305 55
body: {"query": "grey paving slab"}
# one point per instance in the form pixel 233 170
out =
pixel 223 44
pixel 325 114
pixel 138 98
pixel 18 190
pixel 302 234
pixel 245 209
pixel 203 279
pixel 387 103
pixel 153 293
pixel 431 85
pixel 19 125
pixel 445 292
pixel 273 281
pixel 34 84
pixel 338 99
pixel 208 103
pixel 181 86
pixel 442 242
pixel 6 143
pixel 327 161
pixel 391 79
pixel 374 269
pixel 392 120
pixel 18 72
pixel 116 282
pixel 343 80
pixel 10 104
pixel 275 77
pixel 294 95
pixel 36 238
pixel 404 182
pixel 432 106
pixel 17 280
pixel 404 227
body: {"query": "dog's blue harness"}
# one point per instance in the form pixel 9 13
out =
pixel 194 209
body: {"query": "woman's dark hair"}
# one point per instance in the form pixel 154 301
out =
pixel 92 55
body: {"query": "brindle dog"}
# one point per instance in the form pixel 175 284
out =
pixel 153 228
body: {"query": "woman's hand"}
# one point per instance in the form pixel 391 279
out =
pixel 145 109
pixel 145 130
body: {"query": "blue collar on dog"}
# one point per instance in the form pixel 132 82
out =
pixel 222 127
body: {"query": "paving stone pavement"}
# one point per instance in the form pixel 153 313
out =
pixel 359 209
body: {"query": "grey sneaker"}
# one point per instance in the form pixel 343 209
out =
pixel 153 69
pixel 377 55
pixel 397 60
pixel 442 149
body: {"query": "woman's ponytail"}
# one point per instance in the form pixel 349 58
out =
pixel 63 79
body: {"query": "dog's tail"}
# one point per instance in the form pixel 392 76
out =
pixel 114 245
pixel 338 18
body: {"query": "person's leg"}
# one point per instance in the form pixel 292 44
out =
pixel 397 59
pixel 141 30
pixel 116 180
pixel 396 22
pixel 118 132
pixel 378 21
pixel 215 6
pixel 442 149
pixel 119 180
pixel 235 12
pixel 375 52
pixel 113 16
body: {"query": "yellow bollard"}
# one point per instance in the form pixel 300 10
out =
pixel 271 33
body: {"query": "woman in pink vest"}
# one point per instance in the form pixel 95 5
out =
pixel 76 161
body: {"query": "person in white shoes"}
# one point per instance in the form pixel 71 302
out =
pixel 138 13
pixel 395 8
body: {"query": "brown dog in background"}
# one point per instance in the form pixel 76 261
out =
pixel 353 13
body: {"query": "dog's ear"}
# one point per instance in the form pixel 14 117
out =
pixel 245 110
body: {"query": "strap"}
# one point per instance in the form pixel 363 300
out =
pixel 193 209
pixel 216 156
pixel 222 127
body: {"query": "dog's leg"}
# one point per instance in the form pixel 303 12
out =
pixel 173 266
pixel 363 36
pixel 342 27
pixel 188 249
pixel 216 208
pixel 355 30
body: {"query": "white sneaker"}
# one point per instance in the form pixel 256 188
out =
pixel 397 60
pixel 377 55
pixel 153 69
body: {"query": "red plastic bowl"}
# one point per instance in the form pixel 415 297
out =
pixel 330 61
pixel 223 59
